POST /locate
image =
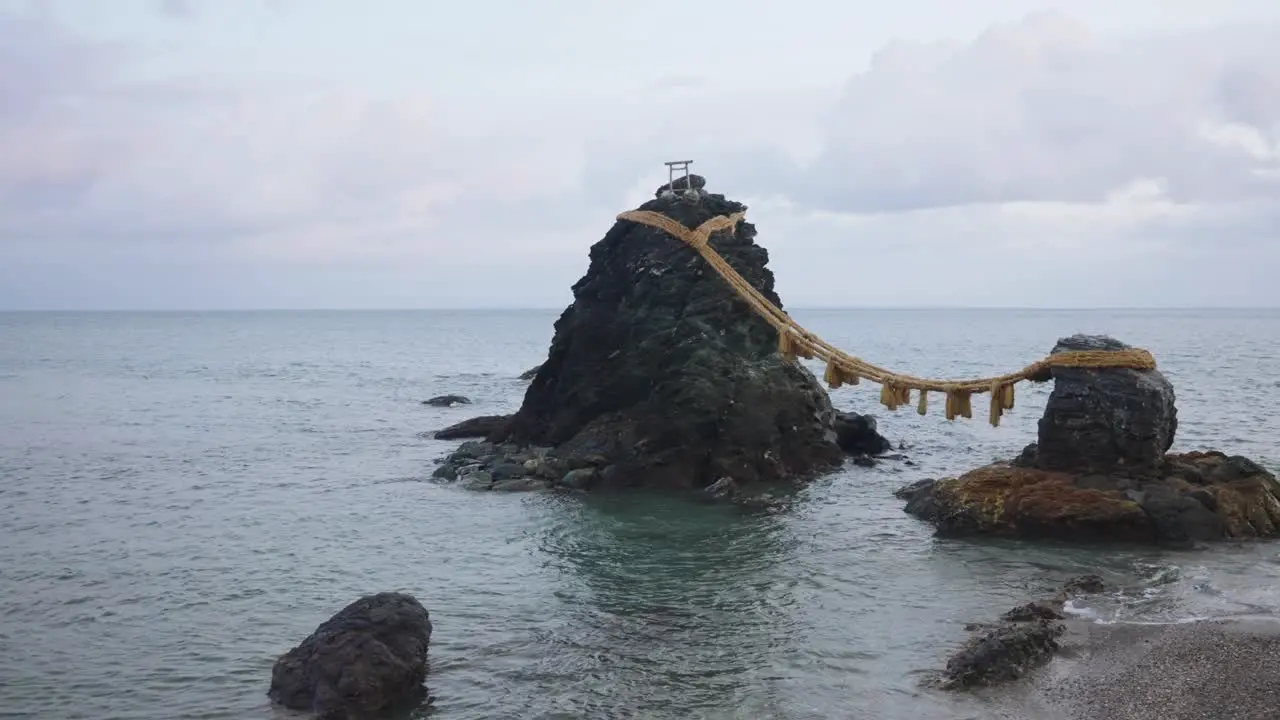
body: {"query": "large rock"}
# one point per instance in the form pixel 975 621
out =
pixel 369 658
pixel 661 375
pixel 1100 471
pixel 1184 499
pixel 1106 418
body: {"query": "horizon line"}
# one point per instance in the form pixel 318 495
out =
pixel 548 308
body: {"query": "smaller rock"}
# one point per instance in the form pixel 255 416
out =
pixel 1083 585
pixel 909 492
pixel 447 401
pixel 478 480
pixel 691 182
pixel 1003 653
pixel 523 484
pixel 856 434
pixel 531 373
pixel 723 488
pixel 369 658
pixel 508 471
pixel 446 472
pixel 476 427
pixel 581 479
pixel 1034 610
pixel 864 461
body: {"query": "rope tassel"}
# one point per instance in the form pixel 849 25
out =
pixel 833 376
pixel 923 406
pixel 786 346
pixel 958 404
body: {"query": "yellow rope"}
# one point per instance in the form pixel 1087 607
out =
pixel 844 369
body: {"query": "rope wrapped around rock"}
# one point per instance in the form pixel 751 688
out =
pixel 845 369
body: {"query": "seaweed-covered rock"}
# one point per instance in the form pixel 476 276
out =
pixel 1184 499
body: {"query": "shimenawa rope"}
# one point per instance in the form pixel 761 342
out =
pixel 845 369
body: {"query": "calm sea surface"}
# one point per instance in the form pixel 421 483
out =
pixel 183 497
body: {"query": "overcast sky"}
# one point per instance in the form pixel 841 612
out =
pixel 417 153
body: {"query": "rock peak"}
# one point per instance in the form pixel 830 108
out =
pixel 696 183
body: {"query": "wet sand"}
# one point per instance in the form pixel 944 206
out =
pixel 1228 670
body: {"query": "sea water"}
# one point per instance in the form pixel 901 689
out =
pixel 185 496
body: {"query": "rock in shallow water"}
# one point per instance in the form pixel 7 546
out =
pixel 1185 498
pixel 1027 638
pixel 1099 471
pixel 1105 418
pixel 447 401
pixel 476 427
pixel 367 659
pixel 662 371
pixel 857 435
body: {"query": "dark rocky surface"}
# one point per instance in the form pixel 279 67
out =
pixel 531 373
pixel 857 435
pixel 447 401
pixel 1185 499
pixel 476 427
pixel 683 183
pixel 1100 471
pixel 658 375
pixel 1026 638
pixel 1102 419
pixel 369 658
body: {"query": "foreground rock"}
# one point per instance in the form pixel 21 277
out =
pixel 1026 639
pixel 658 375
pixel 476 427
pixel 447 401
pixel 369 658
pixel 1100 472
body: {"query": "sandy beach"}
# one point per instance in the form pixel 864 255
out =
pixel 1210 670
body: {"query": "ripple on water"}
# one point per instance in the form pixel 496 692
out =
pixel 187 496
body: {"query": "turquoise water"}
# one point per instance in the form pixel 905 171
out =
pixel 185 496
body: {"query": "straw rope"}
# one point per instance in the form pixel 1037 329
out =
pixel 845 369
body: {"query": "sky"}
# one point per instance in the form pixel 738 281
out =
pixel 240 154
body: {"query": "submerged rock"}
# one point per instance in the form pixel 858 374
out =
pixel 1002 653
pixel 476 427
pixel 1027 638
pixel 447 401
pixel 369 658
pixel 661 376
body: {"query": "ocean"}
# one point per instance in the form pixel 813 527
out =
pixel 185 496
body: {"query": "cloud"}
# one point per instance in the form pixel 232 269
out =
pixel 1043 162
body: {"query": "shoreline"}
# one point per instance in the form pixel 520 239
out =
pixel 1177 670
